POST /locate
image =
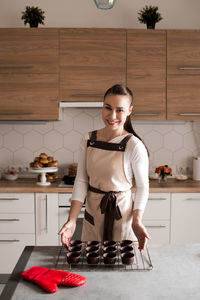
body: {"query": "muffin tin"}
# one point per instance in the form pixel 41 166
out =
pixel 108 255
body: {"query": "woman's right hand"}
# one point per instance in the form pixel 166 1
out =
pixel 67 232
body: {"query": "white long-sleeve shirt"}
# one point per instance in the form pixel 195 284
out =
pixel 136 164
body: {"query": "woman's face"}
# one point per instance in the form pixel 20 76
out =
pixel 115 110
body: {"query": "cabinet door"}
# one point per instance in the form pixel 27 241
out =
pixel 28 96
pixel 91 61
pixel 158 207
pixel 185 221
pixel 183 55
pixel 159 231
pixel 46 219
pixel 29 72
pixel 146 73
pixel 183 80
pixel 26 50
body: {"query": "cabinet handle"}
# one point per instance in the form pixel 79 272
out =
pixel 147 114
pixel 9 199
pixel 157 199
pixel 14 240
pixel 46 214
pixel 155 226
pixel 190 199
pixel 87 95
pixel 189 114
pixel 14 67
pixel 1 220
pixel 15 113
pixel 189 68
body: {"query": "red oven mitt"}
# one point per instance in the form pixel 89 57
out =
pixel 49 279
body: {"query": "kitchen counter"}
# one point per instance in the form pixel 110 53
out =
pixel 30 186
pixel 175 275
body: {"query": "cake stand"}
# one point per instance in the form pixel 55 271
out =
pixel 43 180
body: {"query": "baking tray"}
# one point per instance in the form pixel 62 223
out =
pixel 142 261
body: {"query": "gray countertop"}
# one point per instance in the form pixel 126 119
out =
pixel 175 275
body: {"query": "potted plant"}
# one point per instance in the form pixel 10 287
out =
pixel 149 15
pixel 33 16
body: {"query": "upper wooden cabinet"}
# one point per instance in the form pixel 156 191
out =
pixel 183 54
pixel 29 50
pixel 29 74
pixel 91 61
pixel 146 73
pixel 183 80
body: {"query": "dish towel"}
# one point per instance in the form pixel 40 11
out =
pixel 49 279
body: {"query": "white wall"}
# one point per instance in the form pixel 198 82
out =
pixel 177 14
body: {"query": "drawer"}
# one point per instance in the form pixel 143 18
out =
pixel 11 248
pixel 14 203
pixel 158 207
pixel 159 231
pixel 17 223
pixel 64 199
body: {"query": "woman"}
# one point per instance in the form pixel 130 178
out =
pixel 109 158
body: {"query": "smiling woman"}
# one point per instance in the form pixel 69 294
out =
pixel 108 160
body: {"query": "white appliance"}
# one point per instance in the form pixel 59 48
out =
pixel 64 203
pixel 196 168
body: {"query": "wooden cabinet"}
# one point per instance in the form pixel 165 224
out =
pixel 29 73
pixel 91 61
pixel 46 212
pixel 183 80
pixel 156 218
pixel 146 73
pixel 17 228
pixel 185 221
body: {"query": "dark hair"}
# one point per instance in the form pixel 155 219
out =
pixel 120 89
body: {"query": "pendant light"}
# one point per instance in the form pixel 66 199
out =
pixel 104 4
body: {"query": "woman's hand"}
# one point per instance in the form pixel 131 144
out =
pixel 141 234
pixel 67 232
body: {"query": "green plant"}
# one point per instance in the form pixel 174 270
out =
pixel 149 15
pixel 33 16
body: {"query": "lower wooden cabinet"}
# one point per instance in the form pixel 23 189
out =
pixel 185 220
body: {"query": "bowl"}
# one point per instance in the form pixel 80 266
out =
pixel 11 176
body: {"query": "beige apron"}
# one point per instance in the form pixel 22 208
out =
pixel 109 205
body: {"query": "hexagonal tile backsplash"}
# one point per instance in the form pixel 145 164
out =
pixel 173 143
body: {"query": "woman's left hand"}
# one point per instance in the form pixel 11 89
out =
pixel 141 234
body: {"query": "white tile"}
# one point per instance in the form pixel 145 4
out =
pixel 76 156
pixel 65 125
pixel 13 140
pixel 23 128
pixel 4 128
pixel 98 123
pixel 162 128
pixel 183 128
pixel 72 112
pixel 72 140
pixel 141 129
pixel 190 142
pixel 1 140
pixel 33 140
pixel 23 157
pixel 163 157
pixel 182 157
pixel 43 128
pixel 53 140
pixel 173 141
pixel 6 157
pixel 83 123
pixel 64 157
pixel 153 140
pixel 93 112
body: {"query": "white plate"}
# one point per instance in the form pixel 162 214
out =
pixel 48 169
pixel 181 177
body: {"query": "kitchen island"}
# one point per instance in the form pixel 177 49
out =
pixel 175 275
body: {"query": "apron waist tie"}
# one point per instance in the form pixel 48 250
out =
pixel 109 207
